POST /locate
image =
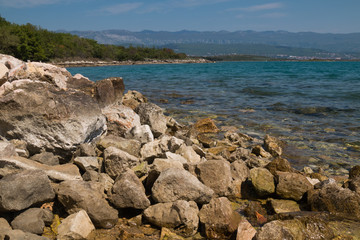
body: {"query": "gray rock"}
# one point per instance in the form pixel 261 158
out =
pixel 239 154
pixel 263 181
pixel 292 185
pixel 219 220
pixel 22 190
pixel 87 163
pixel 76 226
pixel 86 149
pixel 33 220
pixel 106 181
pixel 283 206
pixel 109 91
pixel 158 166
pixel 20 235
pixel 128 192
pixel 20 147
pixel 131 146
pixel 176 184
pixel 141 133
pixel 7 149
pixel 56 173
pixel 216 174
pixel 132 99
pixel 47 158
pixel 175 157
pixel 159 147
pixel 153 116
pixel 118 161
pixel 189 154
pixel 77 195
pixel 182 216
pixel 239 171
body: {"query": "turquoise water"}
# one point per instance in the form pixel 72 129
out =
pixel 313 106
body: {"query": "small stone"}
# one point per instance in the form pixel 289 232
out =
pixel 263 181
pixel 283 206
pixel 47 158
pixel 206 125
pixel 75 226
pixel 33 220
pixel 245 231
pixel 271 144
pixel 292 185
pixel 87 163
pixel 117 161
pixel 141 133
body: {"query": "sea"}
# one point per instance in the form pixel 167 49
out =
pixel 314 107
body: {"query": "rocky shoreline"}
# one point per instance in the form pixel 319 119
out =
pixel 129 62
pixel 83 160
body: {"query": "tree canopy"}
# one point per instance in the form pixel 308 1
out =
pixel 29 42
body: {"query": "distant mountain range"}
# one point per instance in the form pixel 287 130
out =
pixel 270 43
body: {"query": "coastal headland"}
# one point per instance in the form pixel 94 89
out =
pixel 84 160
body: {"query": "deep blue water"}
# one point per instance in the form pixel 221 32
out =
pixel 313 106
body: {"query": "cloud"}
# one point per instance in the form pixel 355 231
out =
pixel 121 8
pixel 166 6
pixel 26 3
pixel 257 8
pixel 274 15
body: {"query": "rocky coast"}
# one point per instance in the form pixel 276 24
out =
pixel 84 160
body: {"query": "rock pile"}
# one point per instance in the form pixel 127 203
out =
pixel 76 159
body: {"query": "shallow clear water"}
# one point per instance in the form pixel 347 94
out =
pixel 314 106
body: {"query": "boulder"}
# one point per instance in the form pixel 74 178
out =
pixel 47 118
pixel 128 192
pixel 175 157
pixel 206 125
pixel 22 190
pixel 177 184
pixel 239 173
pixel 86 150
pixel 77 195
pixel 141 133
pixel 132 99
pixel 109 91
pixel 20 235
pixel 182 216
pixel 279 164
pixel 7 149
pixel 158 148
pixel 260 152
pixel 189 154
pixel 33 220
pixel 46 158
pixel 120 119
pixel 131 146
pixel 56 173
pixel 76 226
pixel 87 163
pixel 283 206
pixel 158 166
pixel 272 145
pixel 292 185
pixel 219 220
pixel 153 116
pixel 263 181
pixel 118 161
pixel 216 174
pixel 245 231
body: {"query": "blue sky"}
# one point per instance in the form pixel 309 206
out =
pixel 333 16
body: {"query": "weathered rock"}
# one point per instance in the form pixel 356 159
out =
pixel 77 195
pixel 153 116
pixel 33 220
pixel 128 192
pixel 86 150
pixel 176 184
pixel 76 226
pixel 271 144
pixel 182 216
pixel 239 154
pixel 22 190
pixel 109 91
pixel 292 185
pixel 263 181
pixel 120 119
pixel 4 71
pixel 46 158
pixel 206 125
pixel 106 181
pixel 7 149
pixel 48 118
pixel 4 225
pixel 245 231
pixel 239 173
pixel 279 164
pixel 206 140
pixel 20 235
pixel 216 174
pixel 130 146
pixel 335 199
pixel 354 172
pixel 253 161
pixel 189 154
pixel 168 234
pixel 219 219
pixel 175 157
pixel 20 147
pixel 87 163
pixel 117 161
pixel 283 206
pixel 132 99
pixel 141 133
pixel 56 173
pixel 260 152
pixel 158 148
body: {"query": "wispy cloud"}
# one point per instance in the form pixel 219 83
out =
pixel 257 8
pixel 26 3
pixel 121 8
pixel 166 6
pixel 274 15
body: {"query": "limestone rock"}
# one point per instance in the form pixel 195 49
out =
pixel 132 99
pixel 56 173
pixel 182 216
pixel 77 195
pixel 176 184
pixel 283 206
pixel 131 146
pixel 86 150
pixel 158 148
pixel 158 166
pixel 109 91
pixel 292 185
pixel 7 149
pixel 279 164
pixel 271 145
pixel 239 173
pixel 4 71
pixel 216 174
pixel 141 133
pixel 219 219
pixel 206 125
pixel 118 161
pixel 46 158
pixel 20 235
pixel 260 152
pixel 153 116
pixel 22 190
pixel 76 226
pixel 33 220
pixel 239 154
pixel 245 231
pixel 87 163
pixel 263 181
pixel 20 147
pixel 189 154
pixel 128 192
pixel 175 157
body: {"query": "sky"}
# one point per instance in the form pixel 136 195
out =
pixel 324 16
